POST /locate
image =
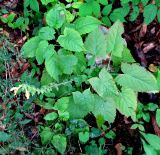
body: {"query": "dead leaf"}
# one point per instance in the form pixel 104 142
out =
pixel 155 126
pixel 148 47
pixel 143 30
pixel 153 68
pixel 118 148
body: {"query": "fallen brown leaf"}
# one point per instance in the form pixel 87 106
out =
pixel 118 148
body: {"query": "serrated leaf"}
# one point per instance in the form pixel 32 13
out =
pixel 81 104
pixel 158 117
pixel 127 103
pixel 153 140
pixel 40 52
pixel 59 142
pixel 86 98
pixel 49 51
pixel 53 67
pixel 56 17
pixel 150 12
pixel 114 39
pixel 29 48
pixel 86 24
pixel 67 63
pixel 95 44
pixel 104 85
pixel 71 40
pixel 137 78
pixel 105 108
pixel 46 33
pixel 62 104
pixel 60 64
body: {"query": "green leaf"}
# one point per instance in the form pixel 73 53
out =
pixel 53 67
pixel 134 14
pixel 158 79
pixel 137 78
pixel 86 98
pixel 107 9
pixel 45 2
pixel 157 2
pixel 127 103
pixel 40 52
pixel 29 48
pixel 106 21
pixel 95 8
pixel 119 14
pixel 51 116
pixel 158 15
pixel 126 58
pixel 67 63
pixel 125 1
pixel 150 12
pixel 95 44
pixel 26 3
pixel 85 9
pixel 49 51
pixel 59 142
pixel 46 135
pixel 83 136
pixel 62 104
pixel 34 5
pixel 60 64
pixel 11 17
pixel 144 2
pixel 104 85
pixel 71 40
pixel 149 150
pixel 158 117
pixel 56 17
pixel 46 33
pixel 81 104
pixel 86 24
pixel 4 137
pixel 46 78
pixel 76 5
pixel 115 42
pixel 105 108
pixel 103 2
pixel 90 8
pixel 153 140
